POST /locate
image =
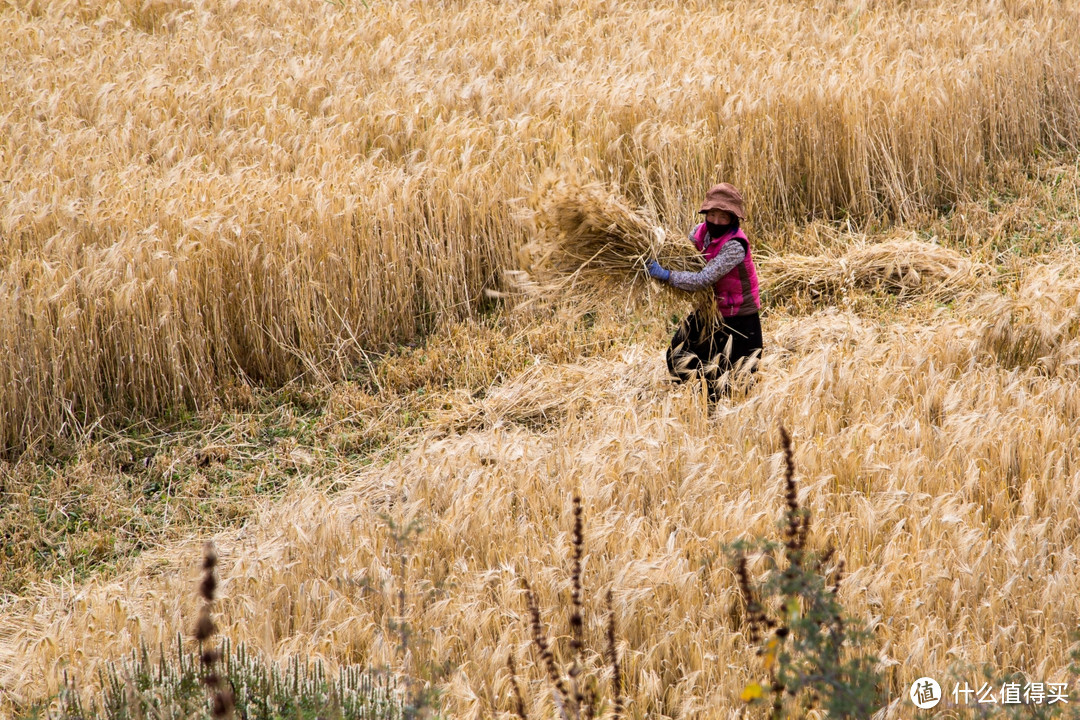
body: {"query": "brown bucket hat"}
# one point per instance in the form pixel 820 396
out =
pixel 724 197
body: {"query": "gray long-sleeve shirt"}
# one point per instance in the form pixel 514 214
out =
pixel 725 261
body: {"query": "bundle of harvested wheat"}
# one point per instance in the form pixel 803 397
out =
pixel 589 229
pixel 590 226
pixel 903 266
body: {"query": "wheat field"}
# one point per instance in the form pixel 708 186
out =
pixel 197 194
pixel 202 198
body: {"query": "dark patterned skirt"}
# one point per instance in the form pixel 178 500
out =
pixel 714 349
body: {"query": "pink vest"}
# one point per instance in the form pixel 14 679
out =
pixel 736 292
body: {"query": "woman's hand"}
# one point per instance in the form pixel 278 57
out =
pixel 657 271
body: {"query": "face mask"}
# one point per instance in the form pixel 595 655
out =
pixel 716 231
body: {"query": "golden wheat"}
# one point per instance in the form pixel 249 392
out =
pixel 200 190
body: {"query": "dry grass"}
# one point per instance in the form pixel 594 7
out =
pixel 198 192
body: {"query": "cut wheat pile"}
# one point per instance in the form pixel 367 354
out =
pixel 589 230
pixel 906 267
pixel 590 226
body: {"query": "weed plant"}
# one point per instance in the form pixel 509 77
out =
pixel 576 693
pixel 814 654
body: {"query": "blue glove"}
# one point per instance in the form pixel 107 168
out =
pixel 657 271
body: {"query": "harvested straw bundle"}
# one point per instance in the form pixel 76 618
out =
pixel 590 230
pixel 591 227
pixel 903 266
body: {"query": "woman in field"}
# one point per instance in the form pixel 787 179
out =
pixel 711 348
